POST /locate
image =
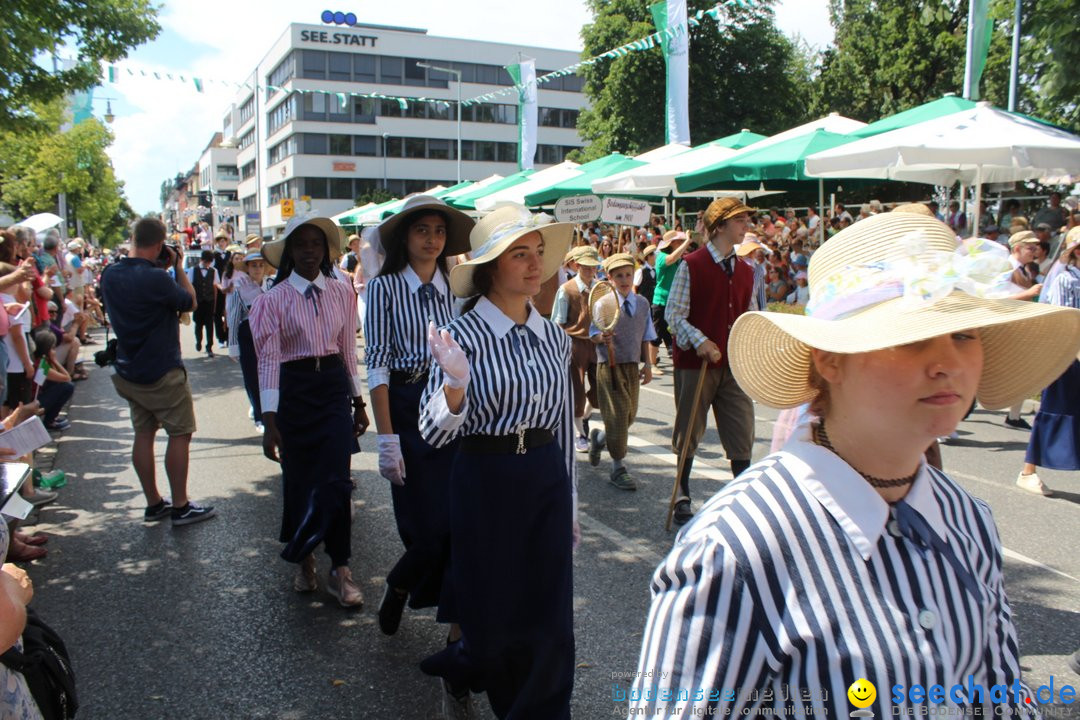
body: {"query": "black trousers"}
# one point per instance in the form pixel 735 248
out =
pixel 663 333
pixel 203 319
pixel 219 318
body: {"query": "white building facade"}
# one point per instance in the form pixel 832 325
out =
pixel 218 181
pixel 323 153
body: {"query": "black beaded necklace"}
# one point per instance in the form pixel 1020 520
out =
pixel 822 439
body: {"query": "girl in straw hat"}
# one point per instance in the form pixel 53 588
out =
pixel 844 556
pixel 247 287
pixel 500 385
pixel 1055 434
pixel 411 290
pixel 304 332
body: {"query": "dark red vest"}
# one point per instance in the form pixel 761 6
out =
pixel 716 301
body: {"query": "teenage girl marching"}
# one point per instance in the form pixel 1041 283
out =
pixel 305 336
pixel 411 290
pixel 247 287
pixel 500 385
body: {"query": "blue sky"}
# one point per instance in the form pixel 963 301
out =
pixel 161 127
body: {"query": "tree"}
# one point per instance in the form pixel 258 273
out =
pixel 744 73
pixel 96 30
pixel 35 166
pixel 375 195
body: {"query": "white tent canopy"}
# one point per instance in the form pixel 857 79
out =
pixel 537 181
pixel 41 222
pixel 658 177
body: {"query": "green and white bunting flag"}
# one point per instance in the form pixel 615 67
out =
pixel 524 75
pixel 670 19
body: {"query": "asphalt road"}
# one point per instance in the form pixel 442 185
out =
pixel 202 621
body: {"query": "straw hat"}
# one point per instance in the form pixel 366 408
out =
pixel 745 248
pixel 496 232
pixel 899 278
pixel 335 238
pixel 252 238
pixel 669 237
pixel 459 225
pixel 252 256
pixel 649 250
pixel 618 260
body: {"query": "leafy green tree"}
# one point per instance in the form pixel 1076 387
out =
pixel 95 30
pixel 37 165
pixel 744 73
pixel 375 195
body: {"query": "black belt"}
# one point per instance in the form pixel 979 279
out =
pixel 517 444
pixel 401 377
pixel 315 364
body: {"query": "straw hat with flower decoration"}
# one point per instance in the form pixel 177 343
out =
pixel 899 278
pixel 496 232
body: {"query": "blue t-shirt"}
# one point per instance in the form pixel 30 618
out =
pixel 143 302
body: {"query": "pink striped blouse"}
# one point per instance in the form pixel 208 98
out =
pixel 285 327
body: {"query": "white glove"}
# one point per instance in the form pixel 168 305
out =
pixel 391 464
pixel 450 356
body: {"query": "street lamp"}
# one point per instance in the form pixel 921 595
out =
pixel 385 154
pixel 457 79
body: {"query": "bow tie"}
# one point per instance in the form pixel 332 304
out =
pixel 312 293
pixel 914 527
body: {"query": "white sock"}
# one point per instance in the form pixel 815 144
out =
pixel 580 424
pixel 617 463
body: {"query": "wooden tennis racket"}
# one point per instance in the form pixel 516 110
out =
pixel 605 311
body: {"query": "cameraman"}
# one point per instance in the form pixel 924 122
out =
pixel 144 305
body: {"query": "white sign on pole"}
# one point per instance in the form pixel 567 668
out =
pixel 623 211
pixel 577 208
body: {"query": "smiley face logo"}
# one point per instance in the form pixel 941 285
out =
pixel 862 693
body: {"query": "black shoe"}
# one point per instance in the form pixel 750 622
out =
pixel 158 512
pixel 683 513
pixel 198 347
pixel 1018 423
pixel 191 513
pixel 393 603
pixel 596 445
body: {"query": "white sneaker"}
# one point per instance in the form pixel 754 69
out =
pixel 1033 484
pixel 581 444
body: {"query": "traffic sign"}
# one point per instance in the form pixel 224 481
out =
pixel 287 208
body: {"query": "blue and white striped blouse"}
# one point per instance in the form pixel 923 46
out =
pixel 519 379
pixel 796 580
pixel 399 307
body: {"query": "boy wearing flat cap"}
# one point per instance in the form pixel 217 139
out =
pixel 712 288
pixel 571 312
pixel 618 378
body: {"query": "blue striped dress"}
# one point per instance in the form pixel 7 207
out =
pixel 796 580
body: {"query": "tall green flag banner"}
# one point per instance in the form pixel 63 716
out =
pixel 524 75
pixel 980 29
pixel 670 19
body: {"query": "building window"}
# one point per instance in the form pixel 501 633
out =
pixel 414 74
pixel 249 204
pixel 341 188
pixel 364 68
pixel 439 149
pixel 227 173
pixel 314 65
pixel 248 139
pixel 558 117
pixel 285 71
pixel 314 106
pixel 315 187
pixel 282 150
pixel 394 146
pixel 247 110
pixel 364 110
pixel 248 171
pixel 340 108
pixel 281 115
pixel 390 70
pixel 340 145
pixel 415 148
pixel 314 144
pixel 340 66
pixel 364 145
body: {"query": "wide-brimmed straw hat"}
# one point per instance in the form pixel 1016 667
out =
pixel 746 247
pixel 669 237
pixel 335 238
pixel 459 225
pixel 899 278
pixel 496 232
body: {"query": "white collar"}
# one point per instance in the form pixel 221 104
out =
pixel 581 283
pixel 853 503
pixel 414 282
pixel 500 324
pixel 715 253
pixel 301 285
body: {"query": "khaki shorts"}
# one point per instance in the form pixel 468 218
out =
pixel 165 403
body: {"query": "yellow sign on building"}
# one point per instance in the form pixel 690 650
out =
pixel 287 208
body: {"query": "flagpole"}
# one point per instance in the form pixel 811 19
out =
pixel 970 52
pixel 1014 66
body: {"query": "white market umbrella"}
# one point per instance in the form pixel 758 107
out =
pixel 41 222
pixel 540 180
pixel 976 146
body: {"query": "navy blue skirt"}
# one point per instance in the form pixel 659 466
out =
pixel 315 420
pixel 421 505
pixel 511 578
pixel 1055 434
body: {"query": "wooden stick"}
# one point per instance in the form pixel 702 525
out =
pixel 686 443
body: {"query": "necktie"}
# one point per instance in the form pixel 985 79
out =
pixel 914 527
pixel 427 297
pixel 628 308
pixel 728 266
pixel 312 293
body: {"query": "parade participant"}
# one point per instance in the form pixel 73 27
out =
pixel 710 291
pixel 1022 243
pixel 305 340
pixel 618 378
pixel 500 385
pixel 667 262
pixel 247 287
pixel 222 263
pixel 206 281
pixel 1055 434
pixel 845 556
pixel 645 286
pixel 410 291
pixel 571 312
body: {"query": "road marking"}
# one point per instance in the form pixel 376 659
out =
pixel 1012 554
pixel 664 455
pixel 635 549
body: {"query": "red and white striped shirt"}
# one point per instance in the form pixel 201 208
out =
pixel 286 325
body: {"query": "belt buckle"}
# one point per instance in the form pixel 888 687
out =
pixel 521 449
pixel 416 375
